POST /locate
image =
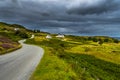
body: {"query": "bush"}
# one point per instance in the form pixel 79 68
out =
pixel 22 34
pixel 100 42
pixel 106 40
pixel 95 39
pixel 116 41
pixel 89 38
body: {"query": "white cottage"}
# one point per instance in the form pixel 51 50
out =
pixel 32 36
pixel 60 36
pixel 16 29
pixel 48 37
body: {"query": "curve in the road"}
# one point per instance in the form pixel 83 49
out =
pixel 20 64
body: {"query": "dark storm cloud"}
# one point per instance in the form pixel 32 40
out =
pixel 102 6
pixel 52 15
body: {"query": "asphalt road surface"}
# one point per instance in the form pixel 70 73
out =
pixel 20 64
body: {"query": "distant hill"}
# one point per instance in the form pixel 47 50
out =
pixel 117 38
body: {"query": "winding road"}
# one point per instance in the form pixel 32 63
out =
pixel 20 64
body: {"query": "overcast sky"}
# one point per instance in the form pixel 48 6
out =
pixel 80 17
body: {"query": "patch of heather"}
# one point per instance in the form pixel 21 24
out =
pixel 5 40
pixel 7 46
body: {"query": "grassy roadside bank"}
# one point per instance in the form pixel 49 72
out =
pixel 51 66
pixel 5 51
pixel 77 60
pixel 7 45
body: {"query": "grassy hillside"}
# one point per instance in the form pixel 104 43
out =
pixel 78 58
pixel 13 31
pixel 69 58
pixel 9 37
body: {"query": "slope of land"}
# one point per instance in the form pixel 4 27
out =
pixel 10 34
pixel 69 58
pixel 78 58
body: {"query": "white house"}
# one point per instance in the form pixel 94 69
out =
pixel 60 36
pixel 16 29
pixel 32 36
pixel 48 37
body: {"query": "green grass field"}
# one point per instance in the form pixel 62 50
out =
pixel 77 60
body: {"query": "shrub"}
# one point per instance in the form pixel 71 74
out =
pixel 89 38
pixel 116 41
pixel 100 42
pixel 106 40
pixel 95 39
pixel 22 34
